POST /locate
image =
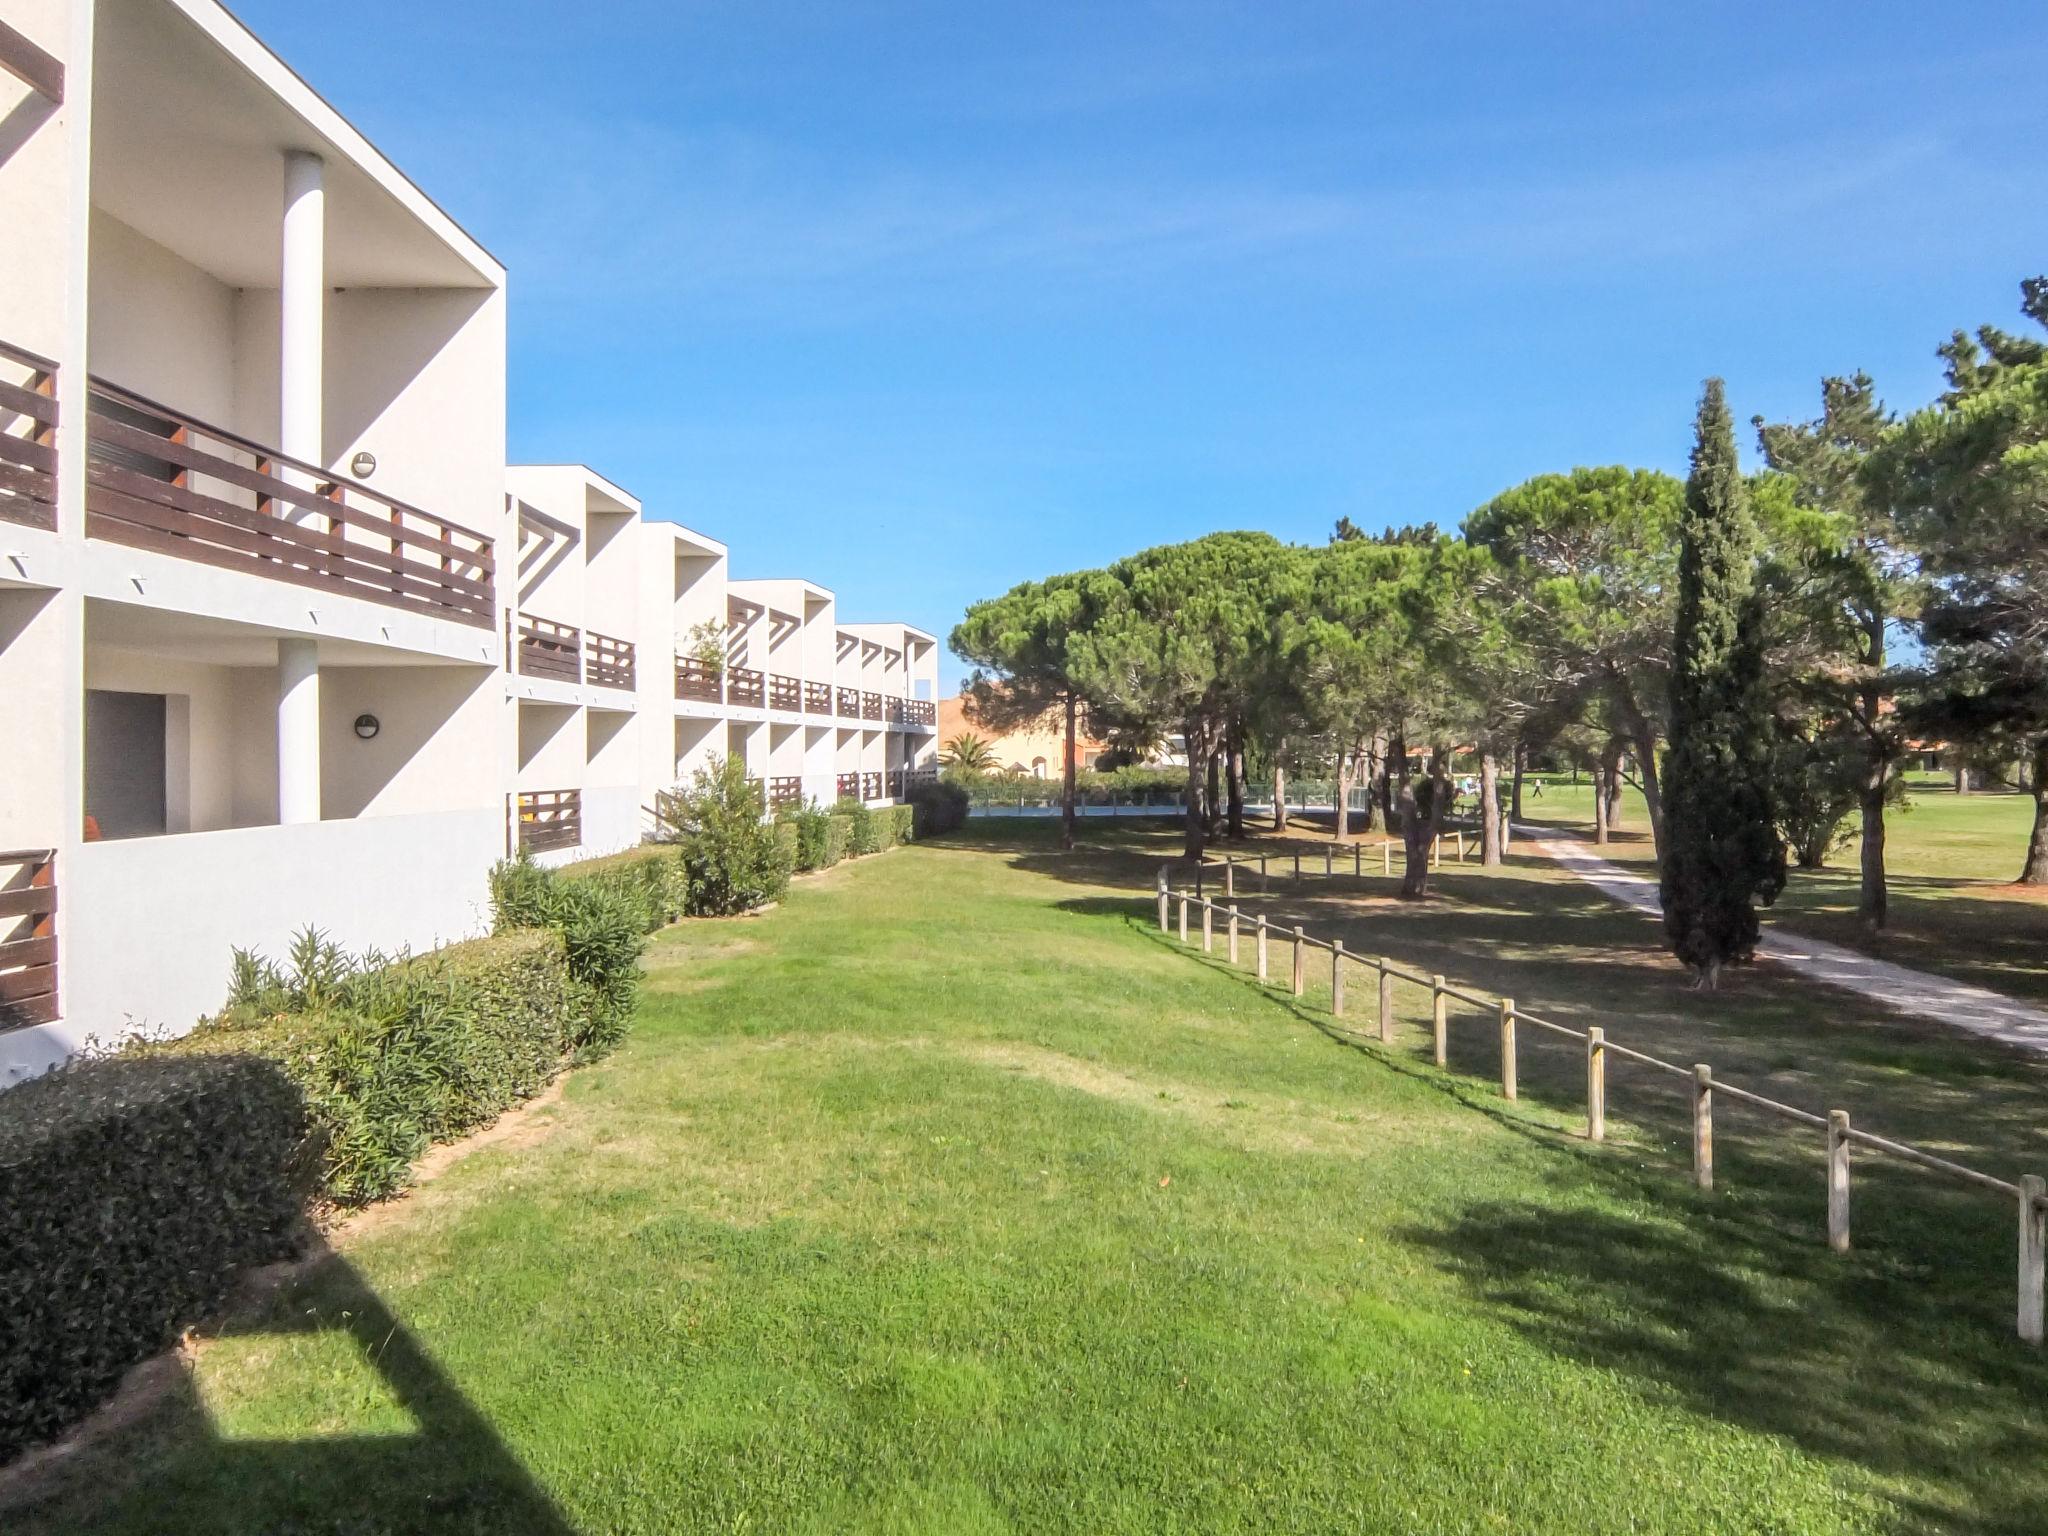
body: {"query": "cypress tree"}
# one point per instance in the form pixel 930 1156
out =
pixel 1722 851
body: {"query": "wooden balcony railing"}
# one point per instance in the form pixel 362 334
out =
pixel 785 790
pixel 895 783
pixel 871 706
pixel 849 703
pixel 608 663
pixel 929 774
pixel 871 786
pixel 744 685
pixel 28 938
pixel 784 692
pixel 919 712
pixel 848 786
pixel 817 698
pixel 548 818
pixel 164 481
pixel 698 680
pixel 892 710
pixel 28 438
pixel 548 649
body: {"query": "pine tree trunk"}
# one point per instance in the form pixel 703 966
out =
pixel 1599 802
pixel 1347 770
pixel 1615 781
pixel 1419 832
pixel 1234 772
pixel 1515 793
pixel 1395 784
pixel 1870 911
pixel 2036 872
pixel 1962 779
pixel 1197 823
pixel 1067 784
pixel 1212 801
pixel 1490 849
pixel 1279 795
pixel 1369 774
pixel 1643 738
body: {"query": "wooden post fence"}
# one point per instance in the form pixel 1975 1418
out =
pixel 1386 1001
pixel 1262 947
pixel 1703 1125
pixel 1357 857
pixel 1233 934
pixel 1300 958
pixel 1387 857
pixel 1208 929
pixel 1439 1019
pixel 1507 1047
pixel 1596 1084
pixel 1838 1180
pixel 1329 854
pixel 1297 866
pixel 1162 901
pixel 2033 1252
pixel 1336 978
pixel 1183 918
pixel 1229 877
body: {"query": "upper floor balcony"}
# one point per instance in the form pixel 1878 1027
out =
pixel 161 479
pixel 28 430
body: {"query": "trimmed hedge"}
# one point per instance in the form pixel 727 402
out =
pixel 838 839
pixel 937 808
pixel 400 1056
pixel 132 1192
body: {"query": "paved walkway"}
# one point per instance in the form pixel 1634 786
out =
pixel 1975 1010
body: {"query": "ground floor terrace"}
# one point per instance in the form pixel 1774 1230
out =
pixel 953 1196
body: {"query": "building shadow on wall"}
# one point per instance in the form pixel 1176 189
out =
pixel 440 1466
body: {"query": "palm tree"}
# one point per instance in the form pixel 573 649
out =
pixel 968 753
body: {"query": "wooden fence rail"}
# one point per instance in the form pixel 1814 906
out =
pixel 28 938
pixel 2030 1192
pixel 28 438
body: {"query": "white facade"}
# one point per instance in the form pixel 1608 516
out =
pixel 282 640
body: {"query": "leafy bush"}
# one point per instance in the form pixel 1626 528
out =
pixel 654 880
pixel 133 1191
pixel 402 1054
pixel 603 918
pixel 838 838
pixel 937 807
pixel 812 826
pixel 893 825
pixel 736 861
pixel 861 836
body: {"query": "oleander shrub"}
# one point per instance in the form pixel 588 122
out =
pixel 937 807
pixel 862 836
pixel 893 825
pixel 401 1054
pixel 653 879
pixel 787 839
pixel 736 860
pixel 812 826
pixel 838 838
pixel 603 919
pixel 132 1190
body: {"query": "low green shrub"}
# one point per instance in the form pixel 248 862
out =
pixel 813 831
pixel 736 861
pixel 133 1190
pixel 788 840
pixel 937 806
pixel 893 825
pixel 603 917
pixel 653 879
pixel 396 1055
pixel 862 836
pixel 838 838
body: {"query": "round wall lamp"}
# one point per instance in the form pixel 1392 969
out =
pixel 363 465
pixel 367 726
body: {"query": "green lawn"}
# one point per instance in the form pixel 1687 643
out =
pixel 1950 860
pixel 949 1197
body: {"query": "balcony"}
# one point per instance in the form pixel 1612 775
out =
pixel 546 819
pixel 551 650
pixel 871 706
pixel 892 710
pixel 871 786
pixel 785 692
pixel 698 680
pixel 920 712
pixel 785 790
pixel 28 939
pixel 608 663
pixel 847 786
pixel 747 687
pixel 162 481
pixel 849 703
pixel 817 698
pixel 28 447
pixel 895 783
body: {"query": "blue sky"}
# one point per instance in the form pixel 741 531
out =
pixel 921 300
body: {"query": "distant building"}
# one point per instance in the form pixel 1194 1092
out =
pixel 1038 750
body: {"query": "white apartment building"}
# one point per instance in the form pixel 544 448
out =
pixel 282 639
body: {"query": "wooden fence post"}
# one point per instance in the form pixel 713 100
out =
pixel 1297 866
pixel 1461 845
pixel 1162 898
pixel 1436 850
pixel 2033 1251
pixel 1329 855
pixel 1439 1019
pixel 1300 958
pixel 1703 1125
pixel 1262 947
pixel 1183 917
pixel 1357 859
pixel 1507 1047
pixel 1233 934
pixel 1230 877
pixel 1386 1001
pixel 1208 928
pixel 1838 1180
pixel 1336 978
pixel 1596 1084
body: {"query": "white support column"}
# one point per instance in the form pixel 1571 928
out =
pixel 303 308
pixel 298 730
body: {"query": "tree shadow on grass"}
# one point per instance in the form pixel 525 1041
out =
pixel 442 1468
pixel 1899 1357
